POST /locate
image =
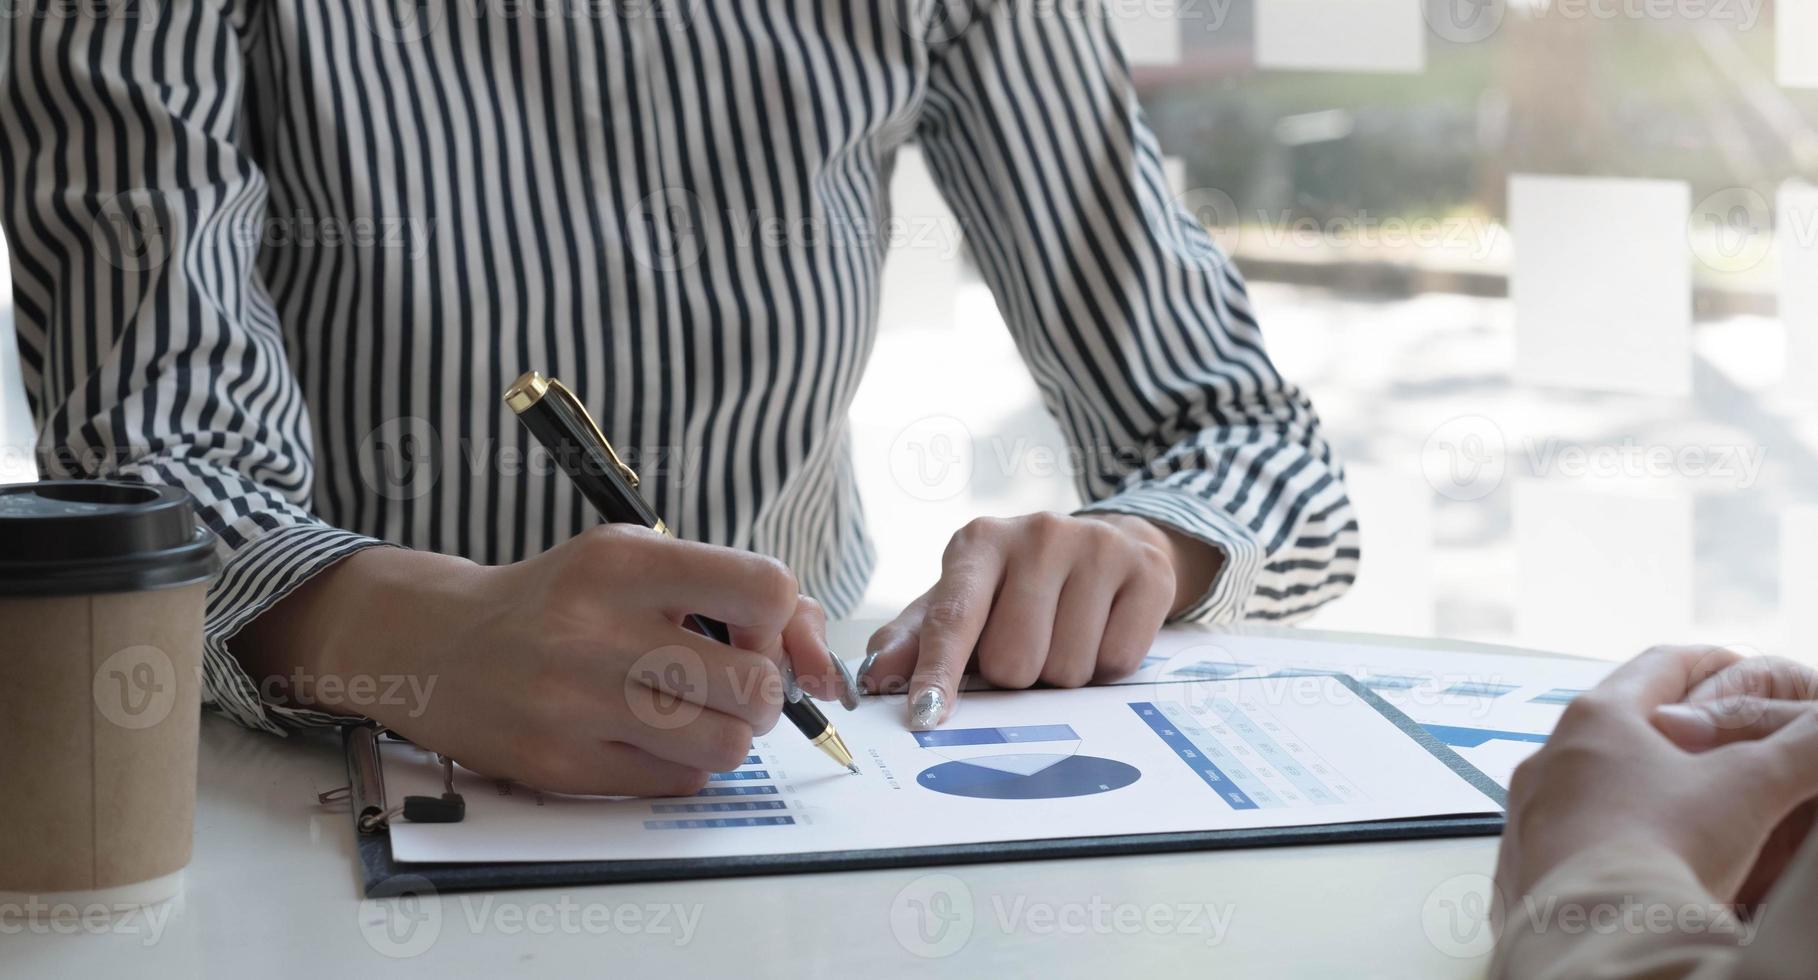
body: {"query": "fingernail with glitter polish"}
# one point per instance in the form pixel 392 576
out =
pixel 925 709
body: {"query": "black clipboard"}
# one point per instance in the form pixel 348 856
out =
pixel 383 876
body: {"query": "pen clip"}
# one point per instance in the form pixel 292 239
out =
pixel 533 385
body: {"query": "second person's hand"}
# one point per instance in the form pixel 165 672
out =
pixel 1751 700
pixel 1609 777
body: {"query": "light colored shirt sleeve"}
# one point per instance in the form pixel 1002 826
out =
pixel 1639 913
pixel 1135 325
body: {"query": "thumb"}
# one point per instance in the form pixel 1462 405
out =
pixel 892 651
pixel 1703 725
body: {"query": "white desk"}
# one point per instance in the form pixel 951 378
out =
pixel 273 890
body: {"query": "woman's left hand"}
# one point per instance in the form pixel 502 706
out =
pixel 1061 600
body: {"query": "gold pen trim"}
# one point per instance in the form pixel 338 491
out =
pixel 530 388
pixel 831 743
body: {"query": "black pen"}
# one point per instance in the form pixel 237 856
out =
pixel 562 425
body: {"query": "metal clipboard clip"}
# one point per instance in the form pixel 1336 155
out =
pixel 365 789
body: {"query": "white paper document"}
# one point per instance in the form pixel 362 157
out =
pixel 1163 755
pixel 1494 709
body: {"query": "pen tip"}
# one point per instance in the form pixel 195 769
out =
pixel 853 767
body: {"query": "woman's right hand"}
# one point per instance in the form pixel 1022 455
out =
pixel 571 671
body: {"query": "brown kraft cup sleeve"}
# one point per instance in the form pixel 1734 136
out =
pixel 99 712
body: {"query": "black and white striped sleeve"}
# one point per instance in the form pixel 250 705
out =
pixel 1134 323
pixel 149 345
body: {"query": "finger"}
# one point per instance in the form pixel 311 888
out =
pixel 1661 675
pixel 890 653
pixel 616 769
pixel 1137 614
pixel 1697 726
pixel 682 732
pixel 1783 767
pixel 1015 641
pixel 957 608
pixel 753 594
pixel 805 643
pixel 1079 627
pixel 1774 678
pixel 705 674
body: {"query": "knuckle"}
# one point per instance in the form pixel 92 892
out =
pixel 976 531
pixel 775 583
pixel 608 550
pixel 1118 660
pixel 1106 534
pixel 1068 674
pixel 1010 671
pixel 1046 523
pixel 1589 708
pixel 687 783
pixel 1799 681
pixel 764 716
pixel 1575 755
pixel 948 612
pixel 729 744
pixel 613 539
pixel 1152 563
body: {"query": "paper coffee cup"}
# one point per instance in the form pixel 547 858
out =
pixel 101 602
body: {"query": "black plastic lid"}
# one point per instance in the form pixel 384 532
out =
pixel 82 537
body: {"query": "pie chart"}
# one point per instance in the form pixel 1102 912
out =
pixel 1028 777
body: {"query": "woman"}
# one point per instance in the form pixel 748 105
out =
pixel 287 255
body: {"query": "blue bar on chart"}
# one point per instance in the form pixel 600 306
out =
pixel 1210 670
pixel 1558 695
pixel 718 807
pixel 1480 689
pixel 1469 738
pixel 1012 735
pixel 740 774
pixel 713 823
pixel 738 791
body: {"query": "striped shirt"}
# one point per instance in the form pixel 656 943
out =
pixel 287 255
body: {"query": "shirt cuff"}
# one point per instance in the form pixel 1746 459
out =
pixel 253 579
pixel 1186 512
pixel 1614 911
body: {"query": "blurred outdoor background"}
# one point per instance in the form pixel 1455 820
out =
pixel 1598 441
pixel 1548 271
